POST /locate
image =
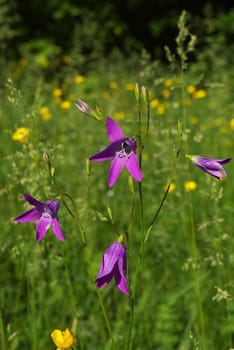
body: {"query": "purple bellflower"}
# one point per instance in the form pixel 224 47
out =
pixel 122 151
pixel 45 214
pixel 114 264
pixel 210 165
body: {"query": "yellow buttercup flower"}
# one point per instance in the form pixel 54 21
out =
pixel 154 103
pixel 161 109
pixel 199 94
pixel 105 95
pixel 119 115
pixel 166 93
pixel 21 135
pixel 191 89
pixel 57 92
pixel 168 83
pixel 79 79
pixel 113 85
pixel 64 340
pixel 65 105
pixel 232 123
pixel 194 120
pixel 45 113
pixel 190 186
pixel 171 188
pixel 145 156
pixel 129 87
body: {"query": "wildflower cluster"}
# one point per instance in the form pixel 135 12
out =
pixel 122 151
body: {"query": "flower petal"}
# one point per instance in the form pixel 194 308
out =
pixel 116 167
pixel 109 259
pixel 57 230
pixel 53 206
pixel 114 132
pixel 43 225
pixel 107 153
pixel 121 282
pixel 120 278
pixel 33 201
pixel 133 167
pixel 29 216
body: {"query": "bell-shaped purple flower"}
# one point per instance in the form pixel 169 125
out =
pixel 122 151
pixel 114 264
pixel 211 166
pixel 45 214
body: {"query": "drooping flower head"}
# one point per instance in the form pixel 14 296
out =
pixel 45 214
pixel 114 264
pixel 210 165
pixel 64 340
pixel 122 151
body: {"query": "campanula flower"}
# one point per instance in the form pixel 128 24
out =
pixel 64 340
pixel 122 151
pixel 210 165
pixel 45 214
pixel 114 264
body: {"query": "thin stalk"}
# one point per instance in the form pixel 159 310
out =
pixel 194 250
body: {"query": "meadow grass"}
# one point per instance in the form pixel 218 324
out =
pixel 182 292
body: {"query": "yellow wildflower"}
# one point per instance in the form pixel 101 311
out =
pixel 65 105
pixel 105 95
pixel 194 120
pixel 64 340
pixel 113 85
pixel 161 109
pixel 45 113
pixel 145 156
pixel 154 103
pixel 21 135
pixel 166 93
pixel 199 94
pixel 119 115
pixel 171 188
pixel 57 92
pixel 232 123
pixel 168 83
pixel 190 186
pixel 191 89
pixel 79 79
pixel 129 87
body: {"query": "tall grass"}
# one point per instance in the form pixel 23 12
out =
pixel 179 238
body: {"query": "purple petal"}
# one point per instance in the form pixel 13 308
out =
pixel 121 282
pixel 33 201
pixel 116 167
pixel 133 167
pixel 114 132
pixel 109 259
pixel 220 161
pixel 53 206
pixel 57 230
pixel 29 216
pixel 219 174
pixel 120 278
pixel 43 226
pixel 107 153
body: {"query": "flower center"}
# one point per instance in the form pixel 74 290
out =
pixel 127 147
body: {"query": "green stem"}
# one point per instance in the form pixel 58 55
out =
pixel 106 318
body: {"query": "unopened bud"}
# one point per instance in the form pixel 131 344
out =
pixel 84 107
